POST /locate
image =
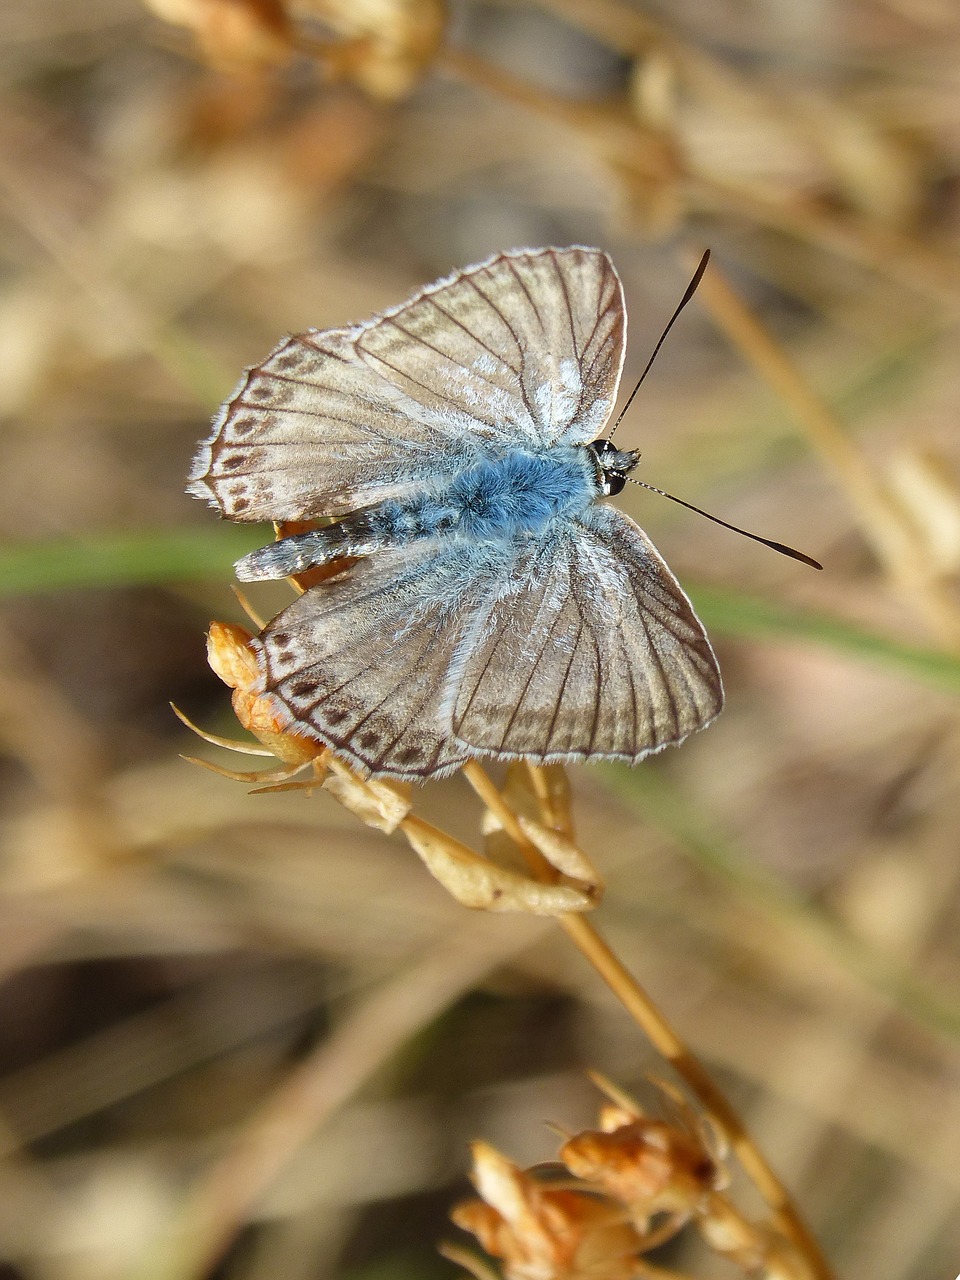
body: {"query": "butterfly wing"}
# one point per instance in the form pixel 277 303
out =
pixel 362 662
pixel 524 349
pixel 594 652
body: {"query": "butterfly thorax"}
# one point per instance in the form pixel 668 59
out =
pixel 496 499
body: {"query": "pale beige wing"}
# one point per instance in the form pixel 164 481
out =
pixel 594 652
pixel 522 350
pixel 362 662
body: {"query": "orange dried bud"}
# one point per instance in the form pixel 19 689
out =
pixel 233 33
pixel 230 656
pixel 648 1165
pixel 385 45
pixel 540 1233
pixel 235 662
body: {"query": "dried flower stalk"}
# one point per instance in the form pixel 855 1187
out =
pixel 557 880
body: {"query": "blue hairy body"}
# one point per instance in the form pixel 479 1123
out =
pixel 494 500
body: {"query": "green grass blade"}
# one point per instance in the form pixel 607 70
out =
pixel 135 559
pixel 126 559
pixel 747 617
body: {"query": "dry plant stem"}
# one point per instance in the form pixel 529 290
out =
pixel 663 1037
pixel 484 787
pixel 610 130
pixel 614 132
pixel 554 811
pixel 885 524
pixel 223 1200
pixel 653 1024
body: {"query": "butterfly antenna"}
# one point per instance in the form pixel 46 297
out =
pixel 767 542
pixel 691 290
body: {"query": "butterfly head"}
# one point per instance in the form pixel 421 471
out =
pixel 612 465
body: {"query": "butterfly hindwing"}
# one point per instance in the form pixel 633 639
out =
pixel 593 652
pixel 362 662
pixel 524 349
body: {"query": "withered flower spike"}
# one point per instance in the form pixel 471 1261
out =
pixel 244 602
pixel 475 1266
pixel 215 740
pixel 544 1233
pixel 238 775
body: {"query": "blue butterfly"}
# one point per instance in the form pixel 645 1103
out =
pixel 500 608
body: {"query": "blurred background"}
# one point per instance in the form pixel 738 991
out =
pixel 184 181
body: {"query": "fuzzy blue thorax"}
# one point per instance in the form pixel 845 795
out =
pixel 496 499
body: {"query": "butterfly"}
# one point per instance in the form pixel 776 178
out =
pixel 497 607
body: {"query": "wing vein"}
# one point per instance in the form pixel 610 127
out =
pixel 566 298
pixel 476 338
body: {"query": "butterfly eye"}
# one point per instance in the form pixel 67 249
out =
pixel 613 465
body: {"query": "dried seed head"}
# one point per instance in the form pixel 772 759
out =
pixel 648 1165
pixel 544 1233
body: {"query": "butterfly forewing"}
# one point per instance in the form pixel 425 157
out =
pixel 525 349
pixel 593 651
pixel 311 432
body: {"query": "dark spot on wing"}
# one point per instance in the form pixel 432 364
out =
pixel 291 360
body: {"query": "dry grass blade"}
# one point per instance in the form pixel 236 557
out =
pixel 365 1039
pixel 886 524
